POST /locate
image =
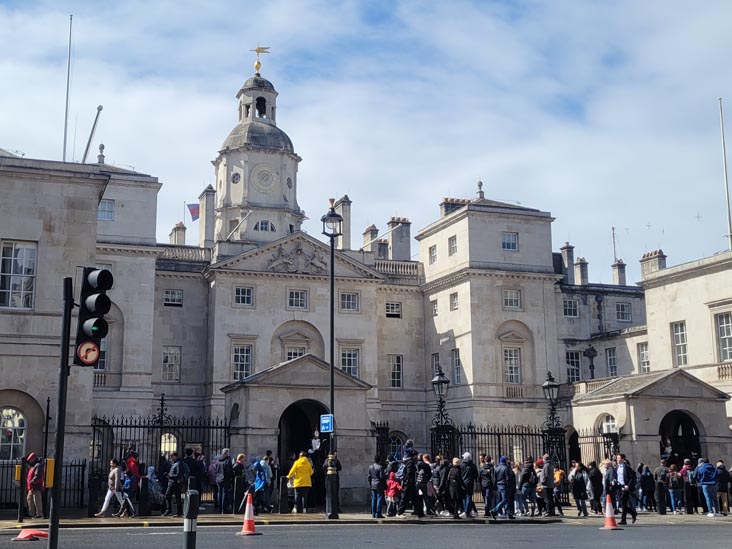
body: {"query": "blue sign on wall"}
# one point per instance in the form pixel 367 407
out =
pixel 326 423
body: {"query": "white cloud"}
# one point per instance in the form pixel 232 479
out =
pixel 604 114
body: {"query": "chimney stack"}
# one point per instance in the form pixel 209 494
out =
pixel 619 273
pixel 581 274
pixel 652 262
pixel 206 202
pixel 343 208
pixel 399 238
pixel 369 238
pixel 449 205
pixel 178 234
pixel 568 262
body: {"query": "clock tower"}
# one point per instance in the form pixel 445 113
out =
pixel 256 176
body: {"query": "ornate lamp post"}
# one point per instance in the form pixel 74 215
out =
pixel 442 429
pixel 332 223
pixel 553 431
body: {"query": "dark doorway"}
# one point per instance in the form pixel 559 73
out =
pixel 575 452
pixel 297 425
pixel 679 438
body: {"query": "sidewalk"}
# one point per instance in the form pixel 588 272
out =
pixel 350 516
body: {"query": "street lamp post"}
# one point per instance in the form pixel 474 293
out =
pixel 332 224
pixel 443 430
pixel 553 431
pixel 591 353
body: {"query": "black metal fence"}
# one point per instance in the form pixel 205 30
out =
pixel 381 432
pixel 73 484
pixel 590 445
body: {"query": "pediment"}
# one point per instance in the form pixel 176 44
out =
pixel 293 336
pixel 511 337
pixel 296 254
pixel 682 384
pixel 306 371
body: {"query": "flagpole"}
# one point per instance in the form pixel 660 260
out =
pixel 68 79
pixel 184 212
pixel 726 183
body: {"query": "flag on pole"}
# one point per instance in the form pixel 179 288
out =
pixel 194 210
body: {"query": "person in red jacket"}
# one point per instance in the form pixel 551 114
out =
pixel 393 493
pixel 34 483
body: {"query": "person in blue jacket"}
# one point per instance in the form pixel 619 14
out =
pixel 706 476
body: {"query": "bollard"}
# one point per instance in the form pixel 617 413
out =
pixel 331 489
pixel 143 503
pixel 190 518
pixel 661 499
pixel 20 483
pixel 284 506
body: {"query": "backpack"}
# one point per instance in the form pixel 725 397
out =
pixel 662 473
pixel 400 472
pixel 533 478
pixel 184 473
pixel 558 477
pixel 674 481
pixel 486 477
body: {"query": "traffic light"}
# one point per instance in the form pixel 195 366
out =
pixel 93 305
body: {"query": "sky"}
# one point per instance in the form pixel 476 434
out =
pixel 605 114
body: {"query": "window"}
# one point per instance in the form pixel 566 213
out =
pixel 395 367
pixel 433 304
pixel 609 425
pixel 393 310
pixel 724 336
pixel 611 360
pixel 509 241
pixel 173 298
pixel 452 245
pixel 241 361
pixel 350 359
pixel 395 446
pixel 433 254
pixel 512 366
pixel 678 330
pixel 454 302
pixel 295 352
pixel 297 299
pixel 573 366
pixel 457 374
pixel 571 308
pixel 244 296
pixel 623 312
pixel 171 364
pixel 644 359
pixel 105 212
pixel 511 299
pixel 168 444
pixel 17 274
pixel 102 362
pixel 12 437
pixel 350 302
pixel 265 226
pixel 435 363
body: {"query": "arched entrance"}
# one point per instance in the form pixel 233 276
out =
pixel 679 438
pixel 297 424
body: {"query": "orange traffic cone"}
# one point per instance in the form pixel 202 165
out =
pixel 30 535
pixel 610 523
pixel 247 528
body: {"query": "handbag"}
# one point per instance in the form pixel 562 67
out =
pixel 290 483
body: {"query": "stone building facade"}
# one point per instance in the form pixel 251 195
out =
pixel 237 327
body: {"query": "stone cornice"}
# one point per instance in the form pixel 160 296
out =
pixel 128 249
pixel 686 271
pixel 467 274
pixel 178 274
pixel 209 273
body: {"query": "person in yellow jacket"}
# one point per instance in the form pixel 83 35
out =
pixel 301 472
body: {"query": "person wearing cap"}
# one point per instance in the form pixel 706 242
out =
pixel 501 475
pixel 34 483
pixel 469 472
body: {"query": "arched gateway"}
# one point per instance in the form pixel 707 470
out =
pixel 679 438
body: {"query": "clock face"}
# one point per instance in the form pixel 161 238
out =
pixel 289 183
pixel 235 178
pixel 263 179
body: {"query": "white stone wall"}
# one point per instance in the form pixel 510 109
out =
pixel 135 210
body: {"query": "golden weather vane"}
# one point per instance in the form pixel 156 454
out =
pixel 259 49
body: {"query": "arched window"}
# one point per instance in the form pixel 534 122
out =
pixel 265 226
pixel 608 425
pixel 12 438
pixel 396 442
pixel 168 444
pixel 261 107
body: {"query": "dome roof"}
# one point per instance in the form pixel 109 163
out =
pixel 258 135
pixel 258 82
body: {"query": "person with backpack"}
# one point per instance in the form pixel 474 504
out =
pixel 723 479
pixel 660 475
pixel 194 467
pixel 455 488
pixel 690 495
pixel 224 480
pixel 675 483
pixel 408 470
pixel 528 479
pixel 486 477
pixel 469 472
pixel 503 485
pixel 377 482
pixel 560 478
pixel 546 481
pixel 128 488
